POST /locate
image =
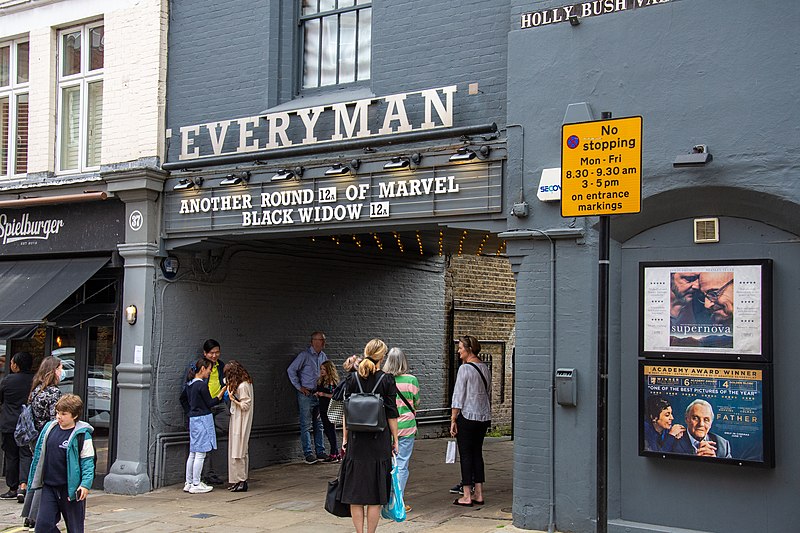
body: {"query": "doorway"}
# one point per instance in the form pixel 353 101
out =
pixel 87 355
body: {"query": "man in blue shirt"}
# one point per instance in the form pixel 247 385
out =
pixel 304 374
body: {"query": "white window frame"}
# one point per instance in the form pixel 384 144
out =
pixel 13 91
pixel 82 80
pixel 359 7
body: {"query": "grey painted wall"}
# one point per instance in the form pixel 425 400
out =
pixel 236 59
pixel 717 72
pixel 262 308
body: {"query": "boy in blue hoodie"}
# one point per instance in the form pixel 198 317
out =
pixel 63 468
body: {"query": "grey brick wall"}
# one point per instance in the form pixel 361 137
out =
pixel 262 308
pixel 235 59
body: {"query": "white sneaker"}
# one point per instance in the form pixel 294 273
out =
pixel 200 488
pixel 187 486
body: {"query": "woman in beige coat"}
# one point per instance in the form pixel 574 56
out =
pixel 240 391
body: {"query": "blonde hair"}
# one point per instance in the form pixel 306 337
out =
pixel 331 375
pixel 373 354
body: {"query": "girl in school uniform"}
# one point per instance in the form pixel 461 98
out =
pixel 202 436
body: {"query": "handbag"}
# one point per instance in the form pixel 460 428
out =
pixel 395 508
pixel 332 502
pixel 25 431
pixel 335 412
pixel 365 411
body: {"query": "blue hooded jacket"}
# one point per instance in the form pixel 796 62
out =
pixel 80 463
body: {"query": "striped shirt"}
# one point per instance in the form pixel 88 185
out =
pixel 408 386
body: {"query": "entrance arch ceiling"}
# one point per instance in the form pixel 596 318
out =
pixel 422 240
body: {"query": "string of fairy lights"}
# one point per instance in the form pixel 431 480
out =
pixel 500 250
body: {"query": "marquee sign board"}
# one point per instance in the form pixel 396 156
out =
pixel 340 201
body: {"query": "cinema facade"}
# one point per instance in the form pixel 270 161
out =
pixel 291 204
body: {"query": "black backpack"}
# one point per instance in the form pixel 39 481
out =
pixel 364 411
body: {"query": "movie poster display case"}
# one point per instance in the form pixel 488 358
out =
pixel 706 310
pixel 715 412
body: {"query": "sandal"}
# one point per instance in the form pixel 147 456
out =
pixel 456 502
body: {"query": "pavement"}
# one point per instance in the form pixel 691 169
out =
pixel 289 498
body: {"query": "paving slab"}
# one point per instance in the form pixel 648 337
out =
pixel 289 498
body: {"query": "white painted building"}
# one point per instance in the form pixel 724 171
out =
pixel 82 113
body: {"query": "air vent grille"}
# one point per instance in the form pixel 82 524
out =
pixel 706 230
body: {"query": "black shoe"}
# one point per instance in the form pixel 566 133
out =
pixel 321 457
pixel 459 489
pixel 21 495
pixel 241 487
pixel 10 495
pixel 310 459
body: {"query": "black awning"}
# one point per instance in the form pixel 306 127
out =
pixel 30 290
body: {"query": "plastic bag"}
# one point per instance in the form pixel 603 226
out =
pixel 396 508
pixel 450 456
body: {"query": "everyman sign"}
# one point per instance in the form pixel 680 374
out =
pixel 601 167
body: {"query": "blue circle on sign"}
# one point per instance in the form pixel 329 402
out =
pixel 573 141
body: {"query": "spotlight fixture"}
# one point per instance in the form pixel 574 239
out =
pixel 467 154
pixel 397 163
pixel 188 183
pixel 698 157
pixel 130 314
pixel 574 20
pixel 340 170
pixel 401 162
pixel 288 174
pixel 236 178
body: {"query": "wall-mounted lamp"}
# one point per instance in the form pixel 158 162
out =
pixel 340 170
pixel 288 174
pixel 574 20
pixel 130 314
pixel 401 162
pixel 467 154
pixel 698 157
pixel 236 178
pixel 188 183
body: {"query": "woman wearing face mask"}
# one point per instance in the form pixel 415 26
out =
pixel 43 397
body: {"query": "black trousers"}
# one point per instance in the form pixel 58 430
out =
pixel 54 505
pixel 18 461
pixel 470 449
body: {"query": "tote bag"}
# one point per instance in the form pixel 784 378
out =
pixel 335 412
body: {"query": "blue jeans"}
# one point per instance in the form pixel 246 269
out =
pixel 405 446
pixel 309 414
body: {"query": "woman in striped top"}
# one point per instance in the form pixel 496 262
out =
pixel 408 390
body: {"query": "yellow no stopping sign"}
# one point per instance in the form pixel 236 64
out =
pixel 601 167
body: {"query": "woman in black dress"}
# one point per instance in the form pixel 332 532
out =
pixel 365 478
